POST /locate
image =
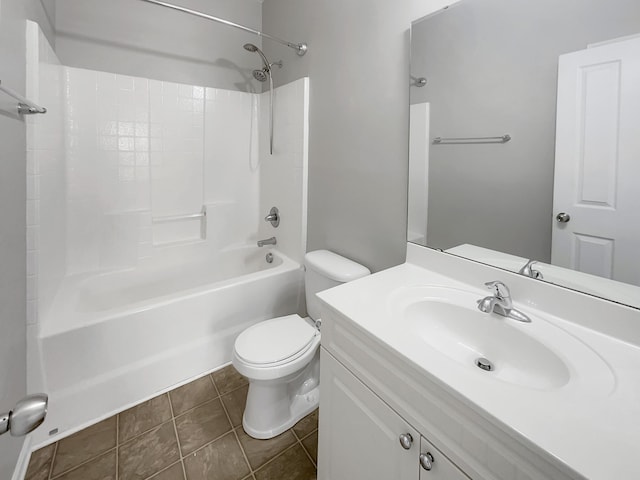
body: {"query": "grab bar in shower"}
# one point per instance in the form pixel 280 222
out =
pixel 25 107
pixel 189 216
pixel 463 140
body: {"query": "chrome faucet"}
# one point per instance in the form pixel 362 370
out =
pixel 500 303
pixel 529 271
pixel 267 241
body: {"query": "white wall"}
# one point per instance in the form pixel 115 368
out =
pixel 139 39
pixel 13 218
pixel 359 118
pixel 284 175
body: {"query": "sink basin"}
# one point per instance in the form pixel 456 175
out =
pixel 536 355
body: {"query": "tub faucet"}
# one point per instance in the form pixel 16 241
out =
pixel 500 303
pixel 267 241
pixel 529 271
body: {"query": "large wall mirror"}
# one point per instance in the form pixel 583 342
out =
pixel 525 139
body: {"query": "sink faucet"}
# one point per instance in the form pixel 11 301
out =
pixel 500 303
pixel 529 271
pixel 267 241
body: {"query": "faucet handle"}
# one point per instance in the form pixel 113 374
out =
pixel 529 271
pixel 499 289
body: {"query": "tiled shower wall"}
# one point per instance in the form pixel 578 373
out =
pixel 114 152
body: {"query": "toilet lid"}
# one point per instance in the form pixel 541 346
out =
pixel 275 340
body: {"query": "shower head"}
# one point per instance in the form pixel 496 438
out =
pixel 261 75
pixel 250 47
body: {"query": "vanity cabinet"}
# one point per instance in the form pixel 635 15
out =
pixel 371 394
pixel 361 437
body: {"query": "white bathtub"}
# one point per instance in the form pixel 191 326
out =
pixel 115 339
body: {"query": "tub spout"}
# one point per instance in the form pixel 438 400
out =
pixel 268 241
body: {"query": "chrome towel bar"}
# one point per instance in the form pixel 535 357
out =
pixel 178 218
pixel 25 107
pixel 462 140
pixel 202 216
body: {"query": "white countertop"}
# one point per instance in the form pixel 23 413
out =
pixel 595 431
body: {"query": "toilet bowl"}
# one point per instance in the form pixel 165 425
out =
pixel 281 356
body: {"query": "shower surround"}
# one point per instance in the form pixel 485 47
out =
pixel 125 298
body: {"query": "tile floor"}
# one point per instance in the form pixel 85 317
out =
pixel 193 432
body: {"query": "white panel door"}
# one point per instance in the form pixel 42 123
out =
pixel 359 433
pixel 597 172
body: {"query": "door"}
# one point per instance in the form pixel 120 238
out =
pixel 359 433
pixel 435 466
pixel 597 171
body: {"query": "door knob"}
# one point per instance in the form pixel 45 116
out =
pixel 563 217
pixel 426 461
pixel 26 416
pixel 406 440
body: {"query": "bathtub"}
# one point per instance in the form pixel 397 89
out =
pixel 115 339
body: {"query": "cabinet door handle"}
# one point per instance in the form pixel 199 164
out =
pixel 406 440
pixel 426 461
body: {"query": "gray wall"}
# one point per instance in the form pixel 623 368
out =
pixel 358 147
pixel 13 217
pixel 140 39
pixel 492 69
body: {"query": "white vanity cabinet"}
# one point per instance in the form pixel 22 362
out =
pixel 371 395
pixel 361 437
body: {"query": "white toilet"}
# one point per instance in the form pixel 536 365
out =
pixel 281 356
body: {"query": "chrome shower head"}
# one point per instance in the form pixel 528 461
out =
pixel 250 47
pixel 261 75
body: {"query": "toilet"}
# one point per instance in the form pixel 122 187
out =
pixel 281 356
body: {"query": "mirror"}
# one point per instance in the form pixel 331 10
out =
pixel 525 139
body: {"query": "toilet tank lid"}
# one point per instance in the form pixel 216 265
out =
pixel 334 266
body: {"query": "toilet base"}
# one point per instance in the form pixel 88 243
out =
pixel 300 406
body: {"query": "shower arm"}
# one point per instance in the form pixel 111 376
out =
pixel 300 48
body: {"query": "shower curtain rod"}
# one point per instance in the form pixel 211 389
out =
pixel 300 48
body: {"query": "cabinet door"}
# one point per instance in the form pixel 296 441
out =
pixel 359 433
pixel 437 466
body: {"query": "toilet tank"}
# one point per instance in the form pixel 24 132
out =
pixel 325 269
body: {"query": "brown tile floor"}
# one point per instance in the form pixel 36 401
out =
pixel 193 432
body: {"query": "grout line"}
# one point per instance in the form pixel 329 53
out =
pixel 76 467
pixel 164 470
pixel 277 456
pixel 308 454
pixel 244 454
pixel 164 421
pixel 235 433
pixel 214 384
pixel 53 458
pixel 191 409
pixel 299 440
pixel 175 430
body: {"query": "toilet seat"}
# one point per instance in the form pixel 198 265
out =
pixel 276 342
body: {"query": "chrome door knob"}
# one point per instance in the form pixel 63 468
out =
pixel 406 440
pixel 426 461
pixel 563 217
